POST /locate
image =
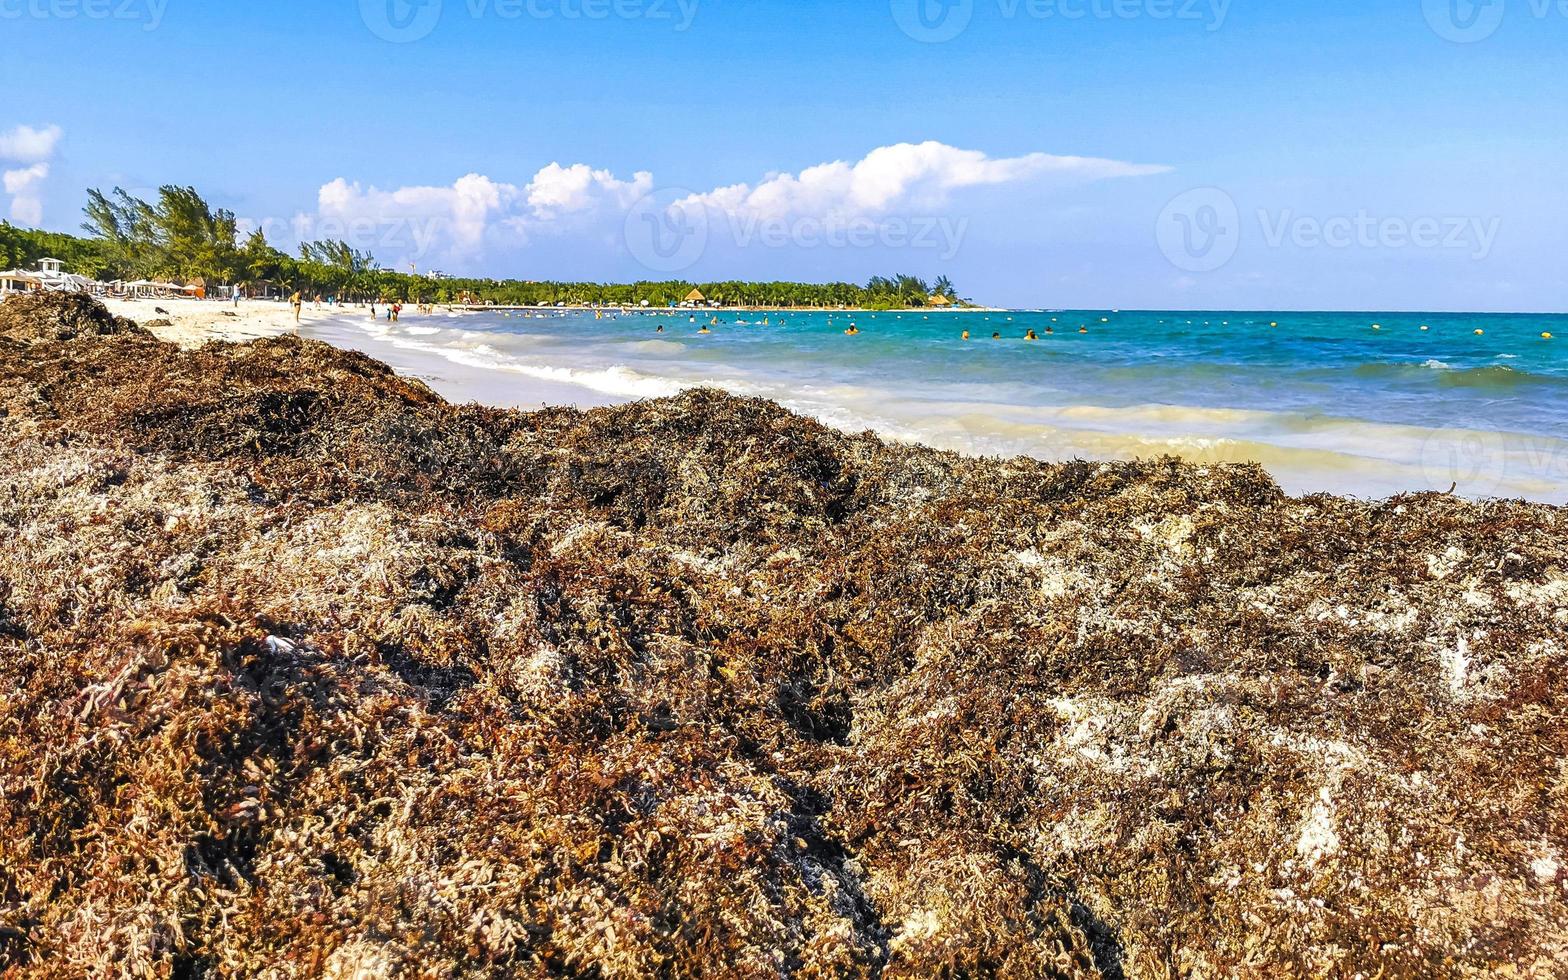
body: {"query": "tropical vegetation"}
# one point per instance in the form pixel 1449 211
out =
pixel 180 237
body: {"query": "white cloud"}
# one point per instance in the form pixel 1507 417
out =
pixel 26 189
pixel 907 175
pixel 458 217
pixel 24 144
pixel 557 190
pixel 33 148
pixel 458 223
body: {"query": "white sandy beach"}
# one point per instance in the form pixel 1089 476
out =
pixel 191 323
pixel 194 322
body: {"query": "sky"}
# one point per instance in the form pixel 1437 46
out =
pixel 1119 154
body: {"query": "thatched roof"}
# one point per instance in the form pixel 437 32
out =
pixel 695 296
pixel 940 300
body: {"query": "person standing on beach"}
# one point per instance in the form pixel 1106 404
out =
pixel 298 302
pixel 237 294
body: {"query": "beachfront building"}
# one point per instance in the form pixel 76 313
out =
pixel 17 281
pixel 939 301
pixel 49 277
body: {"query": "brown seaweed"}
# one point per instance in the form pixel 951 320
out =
pixel 306 672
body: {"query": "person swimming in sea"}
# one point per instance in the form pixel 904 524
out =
pixel 1031 335
pixel 966 335
pixel 705 330
pixel 661 329
pixel 996 336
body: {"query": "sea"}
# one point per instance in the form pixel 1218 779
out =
pixel 1364 404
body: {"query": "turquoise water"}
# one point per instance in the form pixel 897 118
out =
pixel 1322 399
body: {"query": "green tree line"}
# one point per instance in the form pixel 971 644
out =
pixel 181 237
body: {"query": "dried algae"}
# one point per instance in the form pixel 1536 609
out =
pixel 305 672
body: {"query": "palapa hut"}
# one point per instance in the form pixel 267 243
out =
pixel 696 297
pixel 940 300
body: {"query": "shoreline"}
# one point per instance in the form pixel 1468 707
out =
pixel 1304 462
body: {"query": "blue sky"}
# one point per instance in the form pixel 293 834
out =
pixel 1331 155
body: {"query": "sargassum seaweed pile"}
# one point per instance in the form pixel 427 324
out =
pixel 305 672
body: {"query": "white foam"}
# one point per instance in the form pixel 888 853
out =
pixel 655 346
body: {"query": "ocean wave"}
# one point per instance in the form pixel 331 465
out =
pixel 1498 377
pixel 654 346
pixel 490 351
pixel 1492 376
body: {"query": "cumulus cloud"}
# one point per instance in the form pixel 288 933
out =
pixel 460 215
pixel 459 222
pixel 24 144
pixel 33 149
pixel 557 190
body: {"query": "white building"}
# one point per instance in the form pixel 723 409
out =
pixel 16 281
pixel 50 277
